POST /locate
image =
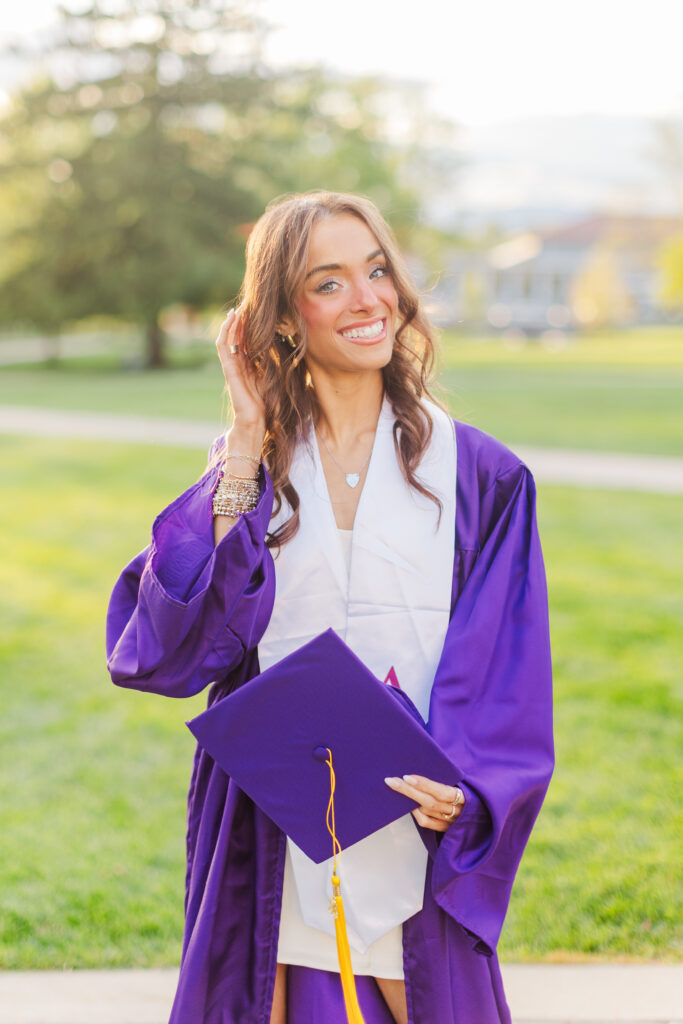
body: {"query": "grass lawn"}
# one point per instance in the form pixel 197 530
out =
pixel 94 778
pixel 618 392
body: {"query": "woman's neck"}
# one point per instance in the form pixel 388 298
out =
pixel 349 407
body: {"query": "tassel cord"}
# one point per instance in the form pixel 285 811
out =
pixel 353 1011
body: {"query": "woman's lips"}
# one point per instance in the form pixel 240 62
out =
pixel 373 340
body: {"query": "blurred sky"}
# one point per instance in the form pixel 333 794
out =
pixel 484 61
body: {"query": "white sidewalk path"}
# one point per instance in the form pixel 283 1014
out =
pixel 537 994
pixel 655 473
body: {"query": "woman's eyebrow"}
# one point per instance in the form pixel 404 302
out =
pixel 339 266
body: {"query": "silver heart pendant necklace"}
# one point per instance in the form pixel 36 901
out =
pixel 352 479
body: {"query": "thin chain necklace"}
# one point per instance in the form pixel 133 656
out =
pixel 352 479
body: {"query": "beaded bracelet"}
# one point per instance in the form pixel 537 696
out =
pixel 232 507
pixel 235 495
pixel 238 485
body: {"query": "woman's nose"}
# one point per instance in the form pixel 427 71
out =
pixel 363 295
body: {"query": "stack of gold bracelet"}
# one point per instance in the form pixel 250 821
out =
pixel 236 495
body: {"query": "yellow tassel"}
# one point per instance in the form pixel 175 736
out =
pixel 348 982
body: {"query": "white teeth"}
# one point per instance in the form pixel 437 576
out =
pixel 365 332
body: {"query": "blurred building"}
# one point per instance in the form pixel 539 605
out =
pixel 601 271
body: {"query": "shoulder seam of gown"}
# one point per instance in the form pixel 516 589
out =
pixel 502 474
pixel 517 465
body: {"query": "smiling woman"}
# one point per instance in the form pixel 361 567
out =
pixel 324 270
pixel 361 289
pixel 330 504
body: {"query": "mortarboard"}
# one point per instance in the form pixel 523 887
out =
pixel 311 741
pixel 272 736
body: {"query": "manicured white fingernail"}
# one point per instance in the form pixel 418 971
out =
pixel 394 783
pixel 410 779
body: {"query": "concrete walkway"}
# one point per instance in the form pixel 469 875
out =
pixel 538 994
pixel 657 474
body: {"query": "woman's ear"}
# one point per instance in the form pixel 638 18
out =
pixel 285 327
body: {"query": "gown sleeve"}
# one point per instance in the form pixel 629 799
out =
pixel 184 611
pixel 491 711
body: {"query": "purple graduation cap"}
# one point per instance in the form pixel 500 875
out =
pixel 272 736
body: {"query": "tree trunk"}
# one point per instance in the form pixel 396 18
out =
pixel 155 352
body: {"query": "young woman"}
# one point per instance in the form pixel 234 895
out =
pixel 344 496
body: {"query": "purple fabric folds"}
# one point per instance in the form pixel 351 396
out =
pixel 185 614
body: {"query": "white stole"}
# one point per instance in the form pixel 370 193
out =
pixel 392 609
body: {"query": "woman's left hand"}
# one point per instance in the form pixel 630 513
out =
pixel 439 805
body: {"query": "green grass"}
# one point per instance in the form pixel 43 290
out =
pixel 643 347
pixel 93 778
pixel 624 410
pixel 618 392
pixel 612 392
pixel 191 388
pixel 600 874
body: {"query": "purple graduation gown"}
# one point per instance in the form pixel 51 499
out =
pixel 185 613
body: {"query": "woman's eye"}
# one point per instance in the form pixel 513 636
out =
pixel 326 286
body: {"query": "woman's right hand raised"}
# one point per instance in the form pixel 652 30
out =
pixel 249 425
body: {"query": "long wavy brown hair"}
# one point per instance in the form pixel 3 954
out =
pixel 276 261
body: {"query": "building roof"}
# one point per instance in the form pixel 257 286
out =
pixel 633 231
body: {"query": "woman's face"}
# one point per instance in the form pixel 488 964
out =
pixel 348 299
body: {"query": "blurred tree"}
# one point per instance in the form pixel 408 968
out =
pixel 671 265
pixel 598 295
pixel 116 157
pixel 134 164
pixel 473 297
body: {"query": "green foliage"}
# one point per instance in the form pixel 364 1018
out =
pixel 671 263
pixel 128 206
pixel 131 182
